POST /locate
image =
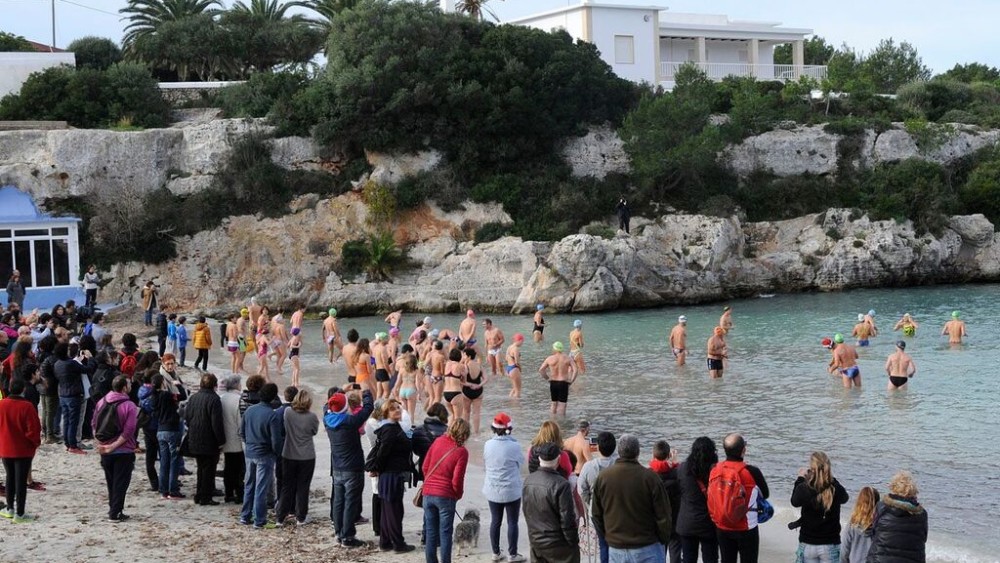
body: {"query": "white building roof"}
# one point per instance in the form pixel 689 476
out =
pixel 585 4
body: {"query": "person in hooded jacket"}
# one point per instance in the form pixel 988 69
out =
pixel 820 496
pixel 392 462
pixel 166 402
pixel 435 425
pixel 899 532
pixel 347 463
pixel 206 436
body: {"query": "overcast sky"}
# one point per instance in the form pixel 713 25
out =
pixel 944 33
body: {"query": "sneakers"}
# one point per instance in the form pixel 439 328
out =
pixel 405 548
pixel 361 520
pixel 499 557
pixel 175 496
pixel 352 543
pixel 75 451
pixel 516 558
pixel 244 522
pixel 86 447
pixel 305 522
pixel 7 513
pixel 121 517
pixel 24 519
pixel 271 525
pixel 36 486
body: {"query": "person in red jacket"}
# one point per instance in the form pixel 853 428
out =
pixel 20 436
pixel 444 483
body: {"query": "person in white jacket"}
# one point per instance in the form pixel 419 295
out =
pixel 234 469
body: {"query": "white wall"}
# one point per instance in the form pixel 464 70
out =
pixel 571 21
pixel 608 22
pixel 16 67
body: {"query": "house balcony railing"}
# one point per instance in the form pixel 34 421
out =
pixel 718 71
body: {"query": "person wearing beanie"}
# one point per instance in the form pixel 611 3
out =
pixel 549 510
pixel 347 463
pixel 502 485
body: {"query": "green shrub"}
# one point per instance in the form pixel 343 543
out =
pixel 960 116
pixel 95 52
pixel 259 95
pixel 603 231
pixel 928 136
pixel 981 192
pixel 834 233
pixel 377 256
pixel 353 256
pixel 914 189
pixel 491 232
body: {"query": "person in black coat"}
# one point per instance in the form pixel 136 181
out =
pixel 435 425
pixel 624 214
pixel 392 460
pixel 70 367
pixel 206 436
pixel 693 523
pixel 899 531
pixel 820 496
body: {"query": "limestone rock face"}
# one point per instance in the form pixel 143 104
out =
pixel 390 169
pixel 598 153
pixel 802 150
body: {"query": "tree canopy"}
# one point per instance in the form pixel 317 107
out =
pixel 95 52
pixel 816 51
pixel 10 42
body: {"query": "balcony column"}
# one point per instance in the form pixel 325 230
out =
pixel 798 57
pixel 701 54
pixel 754 56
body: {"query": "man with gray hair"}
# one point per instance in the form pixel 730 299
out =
pixel 549 511
pixel 234 469
pixel 631 508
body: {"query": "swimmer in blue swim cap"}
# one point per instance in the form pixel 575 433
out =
pixel 576 346
pixel 539 323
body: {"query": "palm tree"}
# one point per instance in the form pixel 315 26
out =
pixel 475 9
pixel 327 9
pixel 271 10
pixel 145 15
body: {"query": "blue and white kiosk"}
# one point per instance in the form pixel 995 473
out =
pixel 45 249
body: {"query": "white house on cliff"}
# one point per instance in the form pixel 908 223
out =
pixel 649 43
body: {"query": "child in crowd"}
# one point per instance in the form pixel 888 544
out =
pixel 182 339
pixel 664 464
pixel 857 535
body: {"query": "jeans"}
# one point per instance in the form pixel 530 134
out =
pixel 808 553
pixel 602 547
pixel 298 474
pixel 709 549
pixel 71 419
pixel 652 553
pixel 17 469
pixel 170 460
pixel 181 354
pixel 745 545
pixel 260 472
pixel 117 474
pixel 497 510
pixel 439 518
pixel 148 317
pixel 345 503
pixel 50 412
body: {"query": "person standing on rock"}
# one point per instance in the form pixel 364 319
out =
pixel 900 367
pixel 716 353
pixel 624 215
pixel 576 347
pixel 845 360
pixel 494 343
pixel 678 340
pixel 560 372
pixel 91 281
pixel 149 302
pixel 539 323
pixel 513 361
pixel 955 329
pixel 331 335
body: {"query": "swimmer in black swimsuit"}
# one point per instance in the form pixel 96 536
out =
pixel 899 367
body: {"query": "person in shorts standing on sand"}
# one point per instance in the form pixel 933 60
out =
pixel 560 372
pixel 576 346
pixel 383 366
pixel 20 436
pixel 579 445
pixel 717 353
pixel 549 511
pixel 737 539
pixel 118 454
pixel 233 343
pixel 678 340
pixel 494 344
pixel 538 328
pixel 331 335
pixel 845 360
pixel 393 319
pixel 900 367
pixel 513 365
pixel 955 329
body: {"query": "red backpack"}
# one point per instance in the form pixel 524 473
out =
pixel 728 497
pixel 127 362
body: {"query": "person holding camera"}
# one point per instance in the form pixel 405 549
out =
pixel 624 214
pixel 149 301
pixel 819 495
pixel 72 365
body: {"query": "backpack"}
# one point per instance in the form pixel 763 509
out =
pixel 146 419
pixel 108 426
pixel 102 382
pixel 127 363
pixel 728 498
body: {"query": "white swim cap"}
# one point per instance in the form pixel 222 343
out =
pixel 577 323
pixel 861 316
pixel 682 319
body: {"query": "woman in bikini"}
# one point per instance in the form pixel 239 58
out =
pixel 406 384
pixel 263 342
pixel 294 345
pixel 279 336
pixel 363 363
pixel 473 390
pixel 436 360
pixel 454 382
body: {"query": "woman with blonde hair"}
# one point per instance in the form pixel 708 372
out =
pixel 857 538
pixel 549 432
pixel 899 531
pixel 444 484
pixel 819 495
pixel 298 458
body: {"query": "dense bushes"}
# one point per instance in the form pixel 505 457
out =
pixel 88 97
pixel 95 52
pixel 263 93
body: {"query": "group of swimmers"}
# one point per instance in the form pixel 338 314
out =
pixel 717 351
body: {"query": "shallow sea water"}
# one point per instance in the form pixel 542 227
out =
pixel 777 393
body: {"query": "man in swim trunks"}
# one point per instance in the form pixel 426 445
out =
pixel 394 318
pixel 348 353
pixel 576 347
pixel 233 343
pixel 424 325
pixel 467 329
pixel 678 340
pixel 726 320
pixel 383 366
pixel 331 335
pixel 955 329
pixel 862 331
pixel 716 352
pixel 513 360
pixel 908 324
pixel 539 323
pixel 870 319
pixel 845 361
pixel 494 344
pixel 560 372
pixel 295 322
pixel 579 444
pixel 900 367
pixel 242 324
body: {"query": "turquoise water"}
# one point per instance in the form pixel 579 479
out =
pixel 777 392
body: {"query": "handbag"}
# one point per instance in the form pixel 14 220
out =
pixel 764 510
pixel 418 497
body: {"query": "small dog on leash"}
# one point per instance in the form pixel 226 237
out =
pixel 467 531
